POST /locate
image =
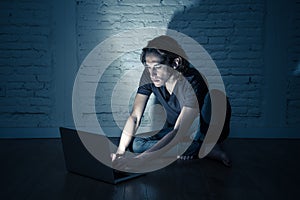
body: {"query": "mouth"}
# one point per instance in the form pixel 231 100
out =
pixel 155 80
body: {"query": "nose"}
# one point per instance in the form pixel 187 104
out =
pixel 152 72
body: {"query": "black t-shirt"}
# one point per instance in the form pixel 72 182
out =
pixel 189 91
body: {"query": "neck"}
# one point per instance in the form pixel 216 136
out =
pixel 170 84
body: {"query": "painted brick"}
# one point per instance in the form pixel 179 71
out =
pixel 231 31
pixel 25 39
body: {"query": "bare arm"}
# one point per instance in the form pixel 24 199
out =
pixel 132 122
pixel 183 123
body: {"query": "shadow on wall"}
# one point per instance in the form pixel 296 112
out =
pixel 205 25
pixel 232 34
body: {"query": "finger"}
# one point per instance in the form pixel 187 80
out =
pixel 113 157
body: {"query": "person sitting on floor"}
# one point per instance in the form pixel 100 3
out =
pixel 183 93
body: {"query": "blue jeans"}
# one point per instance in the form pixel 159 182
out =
pixel 141 144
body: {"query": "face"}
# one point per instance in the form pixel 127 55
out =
pixel 159 73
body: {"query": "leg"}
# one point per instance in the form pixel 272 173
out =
pixel 217 153
pixel 206 115
pixel 193 150
pixel 141 144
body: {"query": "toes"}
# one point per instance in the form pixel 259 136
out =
pixel 185 157
pixel 181 157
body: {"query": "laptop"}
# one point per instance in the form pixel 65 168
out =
pixel 80 161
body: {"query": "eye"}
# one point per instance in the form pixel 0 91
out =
pixel 158 66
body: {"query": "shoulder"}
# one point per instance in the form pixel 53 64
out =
pixel 194 77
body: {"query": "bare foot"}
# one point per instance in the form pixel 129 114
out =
pixel 217 153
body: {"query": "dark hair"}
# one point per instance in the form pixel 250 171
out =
pixel 168 50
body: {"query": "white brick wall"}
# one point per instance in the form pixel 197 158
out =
pixel 232 31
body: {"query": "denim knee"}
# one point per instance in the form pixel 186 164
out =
pixel 139 145
pixel 136 145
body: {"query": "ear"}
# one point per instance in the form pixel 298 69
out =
pixel 177 62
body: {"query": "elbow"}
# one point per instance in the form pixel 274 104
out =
pixel 134 119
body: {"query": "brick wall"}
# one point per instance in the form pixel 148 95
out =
pixel 234 32
pixel 26 71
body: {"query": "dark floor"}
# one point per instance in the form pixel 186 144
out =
pixel 262 169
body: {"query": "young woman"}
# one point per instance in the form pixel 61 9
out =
pixel 183 93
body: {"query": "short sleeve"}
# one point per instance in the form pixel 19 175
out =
pixel 189 97
pixel 145 85
pixel 198 82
